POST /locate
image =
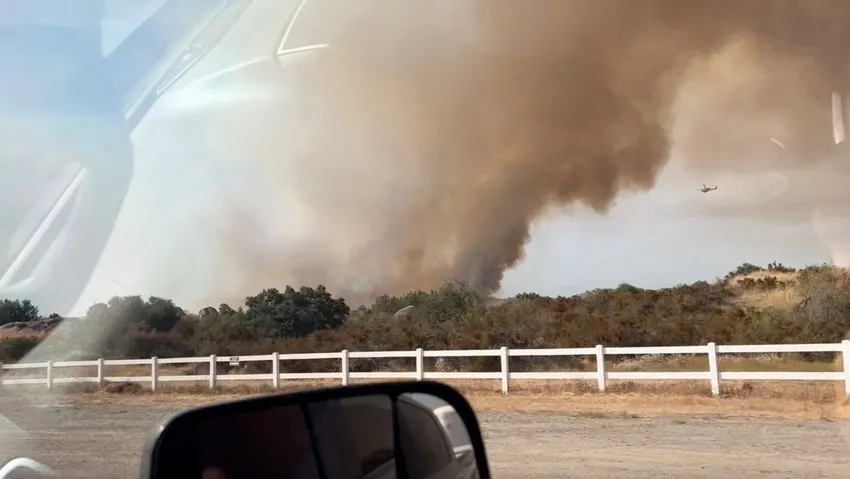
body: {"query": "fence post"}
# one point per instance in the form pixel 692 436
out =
pixel 275 370
pixel 420 364
pixel 344 367
pixel 154 373
pixel 713 370
pixel 101 376
pixel 212 371
pixel 845 359
pixel 49 366
pixel 600 367
pixel 506 373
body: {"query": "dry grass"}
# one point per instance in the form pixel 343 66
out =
pixel 16 334
pixel 116 371
pixel 779 275
pixel 742 399
pixel 781 298
pixel 726 363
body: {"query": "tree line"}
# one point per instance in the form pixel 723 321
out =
pixel 453 316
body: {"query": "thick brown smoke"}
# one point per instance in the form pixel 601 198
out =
pixel 440 130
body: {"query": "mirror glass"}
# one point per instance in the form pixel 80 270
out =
pixel 347 438
pixel 434 438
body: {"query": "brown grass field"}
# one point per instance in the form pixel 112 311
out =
pixel 647 399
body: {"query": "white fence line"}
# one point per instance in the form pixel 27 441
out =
pixel 713 376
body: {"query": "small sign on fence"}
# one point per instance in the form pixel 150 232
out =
pixel 234 361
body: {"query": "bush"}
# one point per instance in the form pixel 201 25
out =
pixel 15 348
pixel 453 316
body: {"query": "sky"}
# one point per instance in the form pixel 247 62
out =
pixel 651 240
pixel 672 234
pixel 669 235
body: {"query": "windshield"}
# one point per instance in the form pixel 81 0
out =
pixel 607 223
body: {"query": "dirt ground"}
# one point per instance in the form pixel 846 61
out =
pixel 101 436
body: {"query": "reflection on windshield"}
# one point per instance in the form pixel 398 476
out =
pixel 238 177
pixel 35 206
pixel 318 23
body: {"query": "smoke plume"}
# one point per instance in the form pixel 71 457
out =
pixel 437 132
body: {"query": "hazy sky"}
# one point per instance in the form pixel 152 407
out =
pixel 649 240
pixel 670 235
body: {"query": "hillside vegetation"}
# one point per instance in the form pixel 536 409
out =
pixel 752 304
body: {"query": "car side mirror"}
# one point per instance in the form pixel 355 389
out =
pixel 405 429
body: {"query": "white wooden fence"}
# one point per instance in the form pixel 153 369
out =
pixel 713 376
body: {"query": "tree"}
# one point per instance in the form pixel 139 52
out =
pixel 225 329
pixel 97 311
pixel 448 303
pixel 527 296
pixel 155 314
pixel 297 313
pixel 161 314
pixel 743 270
pixel 390 304
pixel 125 310
pixel 14 348
pixel 17 311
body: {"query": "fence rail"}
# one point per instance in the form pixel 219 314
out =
pixel 601 376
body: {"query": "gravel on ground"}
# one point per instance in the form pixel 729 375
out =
pixel 99 439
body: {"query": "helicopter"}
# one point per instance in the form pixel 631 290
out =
pixel 706 189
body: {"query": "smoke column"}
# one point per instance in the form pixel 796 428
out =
pixel 441 130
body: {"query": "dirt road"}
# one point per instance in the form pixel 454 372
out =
pixel 105 440
pixel 556 445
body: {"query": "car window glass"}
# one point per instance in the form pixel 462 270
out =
pixel 123 17
pixel 145 46
pixel 317 23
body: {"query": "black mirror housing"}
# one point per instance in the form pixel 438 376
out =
pixel 407 429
